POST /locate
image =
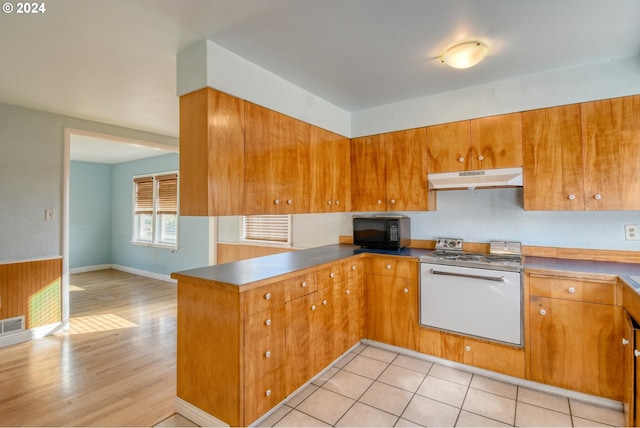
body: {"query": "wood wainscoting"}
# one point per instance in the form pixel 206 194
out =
pixel 230 252
pixel 32 289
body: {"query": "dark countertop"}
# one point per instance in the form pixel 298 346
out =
pixel 257 269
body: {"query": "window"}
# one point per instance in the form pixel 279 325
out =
pixel 155 212
pixel 267 228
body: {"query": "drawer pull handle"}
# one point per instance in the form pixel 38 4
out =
pixel 571 290
pixel 289 202
pixel 460 159
pixel 393 201
pixel 268 322
pixel 324 302
pixel 571 197
pixel 636 353
pixel 267 296
pixel 304 284
pixel 277 202
pixel 625 341
pixel 337 202
pixel 313 307
pixel 267 393
pixel 388 267
pixel 467 348
pixel 267 354
pixel 597 197
pixel 331 275
pixel 406 290
pixel 353 267
pixel 328 202
pixel 347 292
pixel 543 312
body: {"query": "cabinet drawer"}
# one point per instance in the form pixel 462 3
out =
pixel 334 273
pixel 495 357
pixel 300 286
pixel 263 324
pixel 573 289
pixel 263 356
pixel 262 395
pixel 263 298
pixel 392 266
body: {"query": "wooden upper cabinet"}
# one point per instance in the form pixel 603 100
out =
pixel 552 157
pixel 276 162
pixel 486 143
pixel 496 142
pixel 389 172
pixel 611 141
pixel 330 163
pixel 211 154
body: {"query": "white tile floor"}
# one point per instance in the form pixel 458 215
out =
pixel 377 388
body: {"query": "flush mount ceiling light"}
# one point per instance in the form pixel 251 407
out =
pixel 465 55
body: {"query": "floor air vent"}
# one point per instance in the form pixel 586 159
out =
pixel 11 325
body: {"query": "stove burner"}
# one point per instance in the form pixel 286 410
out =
pixel 506 257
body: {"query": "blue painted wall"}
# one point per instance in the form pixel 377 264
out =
pixel 89 214
pixel 193 248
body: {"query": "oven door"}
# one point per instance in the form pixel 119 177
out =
pixel 484 303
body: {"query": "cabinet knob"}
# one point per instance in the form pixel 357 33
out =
pixel 277 202
pixel 543 312
pixel 571 290
pixel 353 267
pixel 379 201
pixel 624 342
pixel 480 157
pixel 460 159
pixel 313 307
pixel 467 348
pixel 406 290
pixel 267 296
pixel 636 353
pixel 337 202
pixel 267 393
pixel 393 201
pixel 267 322
pixel 324 302
pixel 304 284
pixel 289 201
pixel 328 202
pixel 389 267
pixel 267 354
pixel 347 292
pixel 597 196
pixel 331 275
pixel 571 197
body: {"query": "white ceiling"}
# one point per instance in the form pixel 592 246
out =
pixel 114 61
pixel 109 150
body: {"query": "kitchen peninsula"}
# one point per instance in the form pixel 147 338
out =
pixel 250 333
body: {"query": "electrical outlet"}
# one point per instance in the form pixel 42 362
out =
pixel 631 232
pixel 49 214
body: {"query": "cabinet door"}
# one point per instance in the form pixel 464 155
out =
pixel 552 157
pixel 629 372
pixel 448 147
pixel 496 142
pixel 330 187
pixel 569 339
pixel 322 329
pixel 298 343
pixel 405 155
pixel 392 310
pixel 611 140
pixel 368 174
pixel 211 154
pixel 276 161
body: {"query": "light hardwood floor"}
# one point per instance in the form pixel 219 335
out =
pixel 116 366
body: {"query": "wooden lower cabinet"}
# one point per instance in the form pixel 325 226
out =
pixel 392 301
pixel 509 360
pixel 576 345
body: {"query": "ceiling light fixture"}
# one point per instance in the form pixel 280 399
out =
pixel 465 55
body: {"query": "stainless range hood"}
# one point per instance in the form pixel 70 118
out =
pixel 502 177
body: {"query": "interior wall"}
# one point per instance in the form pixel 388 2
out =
pixel 193 248
pixel 89 214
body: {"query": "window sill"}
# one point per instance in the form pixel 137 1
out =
pixel 152 245
pixel 263 243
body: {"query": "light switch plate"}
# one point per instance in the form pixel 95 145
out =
pixel 49 214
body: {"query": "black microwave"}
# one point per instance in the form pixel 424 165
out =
pixel 384 232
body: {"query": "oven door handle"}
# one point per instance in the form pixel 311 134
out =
pixel 466 275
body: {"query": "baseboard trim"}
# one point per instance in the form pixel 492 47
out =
pixel 30 334
pixel 196 415
pixel 604 402
pixel 128 269
pixel 83 269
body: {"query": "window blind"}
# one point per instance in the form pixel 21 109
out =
pixel 144 195
pixel 266 227
pixel 167 194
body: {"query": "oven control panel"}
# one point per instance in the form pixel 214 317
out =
pixel 449 244
pixel 505 247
